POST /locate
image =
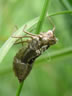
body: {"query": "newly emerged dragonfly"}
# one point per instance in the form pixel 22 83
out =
pixel 37 44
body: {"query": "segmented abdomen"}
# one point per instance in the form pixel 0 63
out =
pixel 21 69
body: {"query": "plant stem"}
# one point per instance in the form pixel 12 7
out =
pixel 57 54
pixel 40 22
pixel 19 89
pixel 39 26
pixel 60 13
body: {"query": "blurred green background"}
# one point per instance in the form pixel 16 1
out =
pixel 49 76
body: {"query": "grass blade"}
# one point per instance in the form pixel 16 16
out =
pixel 8 44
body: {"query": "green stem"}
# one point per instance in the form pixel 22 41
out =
pixel 56 54
pixel 19 89
pixel 39 26
pixel 40 22
pixel 60 13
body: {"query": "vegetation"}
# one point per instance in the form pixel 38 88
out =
pixel 52 72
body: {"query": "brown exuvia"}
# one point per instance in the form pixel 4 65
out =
pixel 24 59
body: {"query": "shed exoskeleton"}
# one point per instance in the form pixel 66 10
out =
pixel 36 45
pixel 23 61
